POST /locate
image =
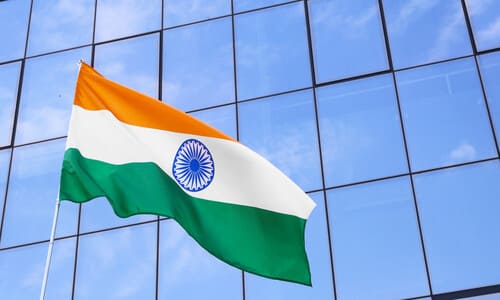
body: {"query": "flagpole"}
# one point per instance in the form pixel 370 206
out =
pixel 49 252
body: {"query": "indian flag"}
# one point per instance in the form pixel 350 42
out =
pixel 146 157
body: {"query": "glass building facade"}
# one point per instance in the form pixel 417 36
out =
pixel 386 112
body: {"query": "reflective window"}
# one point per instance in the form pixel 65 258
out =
pixel 376 243
pixel 186 11
pixel 360 131
pixel 132 62
pixel 9 78
pixel 22 269
pixel 13 26
pixel 33 187
pixel 118 18
pixel 47 96
pixel 198 65
pixel 490 72
pixel 347 38
pixel 4 168
pixel 283 130
pixel 187 271
pixel 425 31
pixel 444 114
pixel 57 24
pixel 222 118
pixel 271 51
pixel 319 260
pixel 242 5
pixel 485 21
pixel 117 264
pixel 459 213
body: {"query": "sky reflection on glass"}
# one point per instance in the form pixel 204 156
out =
pixel 132 62
pixel 376 244
pixel 4 168
pixel 29 211
pixel 60 24
pixel 347 38
pixel 47 96
pixel 444 115
pixel 13 26
pixel 283 130
pixel 490 73
pixel 185 11
pixel 317 247
pixel 22 271
pixel 459 214
pixel 485 21
pixel 271 56
pixel 117 264
pixel 222 118
pixel 187 271
pixel 242 5
pixel 198 65
pixel 425 30
pixel 9 78
pixel 118 18
pixel 360 131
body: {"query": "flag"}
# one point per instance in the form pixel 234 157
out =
pixel 147 157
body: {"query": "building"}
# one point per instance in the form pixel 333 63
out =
pixel 385 111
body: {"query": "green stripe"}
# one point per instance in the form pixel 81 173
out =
pixel 255 240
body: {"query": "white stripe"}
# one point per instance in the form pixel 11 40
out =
pixel 241 176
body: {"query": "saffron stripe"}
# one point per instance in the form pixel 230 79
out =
pixel 95 92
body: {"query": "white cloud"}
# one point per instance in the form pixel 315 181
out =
pixel 476 7
pixel 119 18
pixel 447 36
pixel 43 122
pixel 347 23
pixel 463 152
pixel 410 12
pixel 491 32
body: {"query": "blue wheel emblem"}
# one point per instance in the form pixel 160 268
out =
pixel 193 166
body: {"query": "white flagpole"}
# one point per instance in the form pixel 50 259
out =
pixel 49 252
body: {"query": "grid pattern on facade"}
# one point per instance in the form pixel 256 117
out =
pixel 384 111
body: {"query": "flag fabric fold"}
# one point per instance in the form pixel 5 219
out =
pixel 146 157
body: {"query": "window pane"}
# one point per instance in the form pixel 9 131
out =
pixel 132 62
pixel 485 21
pixel 198 65
pixel 186 11
pixel 444 115
pixel 187 271
pixel 283 130
pixel 13 25
pixel 376 244
pixel 47 95
pixel 117 264
pixel 271 51
pixel 9 78
pixel 222 118
pixel 33 187
pixel 59 24
pixel 459 213
pixel 22 269
pixel 425 31
pixel 241 5
pixel 490 72
pixel 118 18
pixel 319 259
pixel 347 38
pixel 4 168
pixel 360 131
